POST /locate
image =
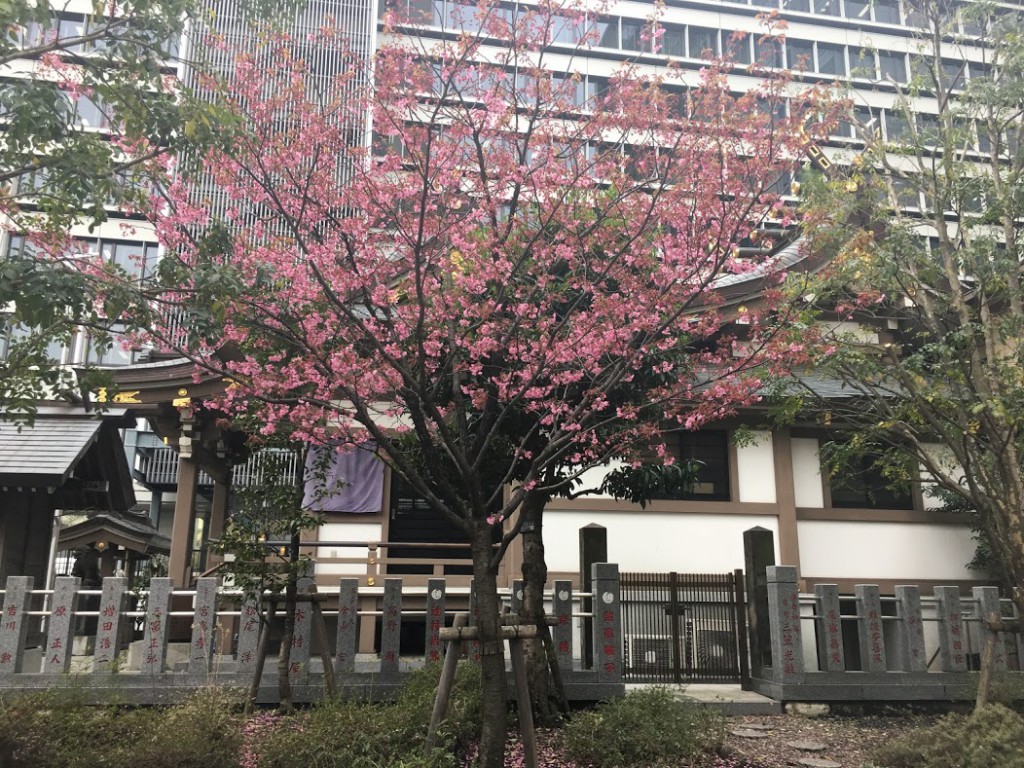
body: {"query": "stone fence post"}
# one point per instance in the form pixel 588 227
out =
pixel 831 653
pixel 952 652
pixel 784 620
pixel 911 636
pixel 14 623
pixel 607 623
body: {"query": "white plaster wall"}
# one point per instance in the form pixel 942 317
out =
pixel 909 551
pixel 593 477
pixel 645 541
pixel 755 469
pixel 354 531
pixel 807 473
pixel 864 334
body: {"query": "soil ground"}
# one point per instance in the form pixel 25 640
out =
pixel 776 741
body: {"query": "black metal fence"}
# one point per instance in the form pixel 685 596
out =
pixel 684 627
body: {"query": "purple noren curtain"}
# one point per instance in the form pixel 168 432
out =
pixel 354 480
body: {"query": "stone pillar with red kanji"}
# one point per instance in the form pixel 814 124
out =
pixel 14 627
pixel 784 620
pixel 108 629
pixel 607 622
pixel 204 623
pixel 869 628
pixel 986 602
pixel 831 653
pixel 391 626
pixel 952 637
pixel 154 640
pixel 561 633
pixel 302 633
pixel 348 625
pixel 249 628
pixel 435 620
pixel 911 633
pixel 61 631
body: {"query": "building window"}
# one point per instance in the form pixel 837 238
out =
pixel 703 42
pixel 800 54
pixel 737 47
pixel 673 40
pixel 110 353
pixel 860 484
pixel 769 52
pixel 710 447
pixel 831 59
pixel 886 11
pixel 896 125
pixel 828 7
pixel 13 335
pixel 893 66
pixel 858 9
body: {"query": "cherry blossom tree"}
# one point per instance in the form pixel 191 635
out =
pixel 518 277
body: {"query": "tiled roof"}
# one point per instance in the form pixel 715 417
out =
pixel 45 453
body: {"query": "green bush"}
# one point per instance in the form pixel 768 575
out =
pixel 345 734
pixel 990 738
pixel 645 728
pixel 205 731
pixel 58 728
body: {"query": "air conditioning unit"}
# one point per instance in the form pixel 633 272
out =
pixel 648 654
pixel 714 647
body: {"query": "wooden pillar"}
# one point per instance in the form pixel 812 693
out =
pixel 180 567
pixel 218 515
pixel 785 498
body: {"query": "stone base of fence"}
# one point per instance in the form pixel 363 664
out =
pixel 168 688
pixel 873 686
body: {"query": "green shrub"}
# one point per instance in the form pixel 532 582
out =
pixel 205 731
pixel 345 734
pixel 645 728
pixel 992 737
pixel 58 728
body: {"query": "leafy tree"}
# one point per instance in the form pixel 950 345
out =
pixel 264 538
pixel 92 114
pixel 86 112
pixel 511 284
pixel 929 252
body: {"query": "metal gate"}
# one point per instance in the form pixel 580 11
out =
pixel 684 627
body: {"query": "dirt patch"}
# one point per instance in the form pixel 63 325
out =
pixel 848 741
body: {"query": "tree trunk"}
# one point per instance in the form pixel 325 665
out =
pixel 284 658
pixel 494 691
pixel 535 576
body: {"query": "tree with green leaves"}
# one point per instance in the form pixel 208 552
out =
pixel 927 257
pixel 86 107
pixel 264 538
